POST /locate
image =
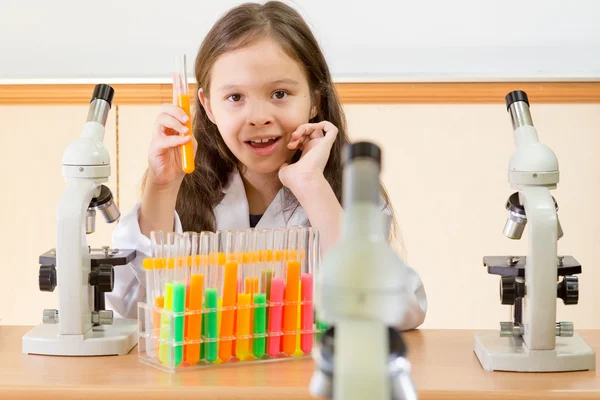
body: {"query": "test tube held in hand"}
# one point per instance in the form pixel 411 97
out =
pixel 181 99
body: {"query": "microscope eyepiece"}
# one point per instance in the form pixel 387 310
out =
pixel 517 104
pixel 103 92
pixel 362 149
pixel 514 96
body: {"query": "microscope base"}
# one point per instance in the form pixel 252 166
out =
pixel 497 353
pixel 116 339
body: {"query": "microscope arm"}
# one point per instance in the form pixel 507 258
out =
pixel 72 258
pixel 541 269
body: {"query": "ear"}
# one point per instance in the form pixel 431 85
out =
pixel 314 110
pixel 206 104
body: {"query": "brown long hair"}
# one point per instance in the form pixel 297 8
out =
pixel 201 191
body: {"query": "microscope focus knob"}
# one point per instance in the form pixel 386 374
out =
pixel 47 278
pixel 511 290
pixel 103 278
pixel 568 290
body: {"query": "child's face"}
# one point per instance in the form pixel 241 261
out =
pixel 258 93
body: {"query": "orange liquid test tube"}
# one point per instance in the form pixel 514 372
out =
pixel 181 99
pixel 290 314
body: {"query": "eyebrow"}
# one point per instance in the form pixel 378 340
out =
pixel 279 81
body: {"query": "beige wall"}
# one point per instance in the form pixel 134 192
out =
pixel 444 166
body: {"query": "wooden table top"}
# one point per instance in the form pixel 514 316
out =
pixel 444 367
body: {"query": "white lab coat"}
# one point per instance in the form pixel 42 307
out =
pixel 232 213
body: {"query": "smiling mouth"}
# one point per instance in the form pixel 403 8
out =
pixel 263 143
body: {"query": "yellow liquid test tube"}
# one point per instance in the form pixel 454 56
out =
pixel 181 99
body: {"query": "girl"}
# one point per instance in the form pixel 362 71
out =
pixel 268 132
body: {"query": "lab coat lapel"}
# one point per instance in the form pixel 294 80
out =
pixel 274 217
pixel 232 212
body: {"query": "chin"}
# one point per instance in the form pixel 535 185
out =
pixel 268 167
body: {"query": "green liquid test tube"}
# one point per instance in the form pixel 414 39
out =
pixel 203 344
pixel 260 324
pixel 211 331
pixel 179 290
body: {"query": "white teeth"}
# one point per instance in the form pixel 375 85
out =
pixel 262 140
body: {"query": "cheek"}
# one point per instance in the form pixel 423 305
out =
pixel 295 115
pixel 229 124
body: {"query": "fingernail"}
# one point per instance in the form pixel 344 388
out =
pixel 185 118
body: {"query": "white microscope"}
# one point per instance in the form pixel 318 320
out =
pixel 361 293
pixel 81 326
pixel 533 342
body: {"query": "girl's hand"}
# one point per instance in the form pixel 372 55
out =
pixel 164 157
pixel 315 140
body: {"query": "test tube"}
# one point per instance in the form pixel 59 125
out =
pixel 292 292
pixel 179 294
pixel 277 241
pixel 166 337
pixel 194 322
pixel 246 289
pixel 148 265
pixel 307 284
pixel 181 99
pixel 209 247
pixel 231 246
pixel 158 270
pixel 259 322
pixel 319 244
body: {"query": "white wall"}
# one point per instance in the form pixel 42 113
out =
pixel 375 40
pixel 444 165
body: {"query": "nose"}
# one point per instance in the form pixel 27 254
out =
pixel 259 115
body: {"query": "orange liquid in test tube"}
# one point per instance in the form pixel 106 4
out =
pixel 181 99
pixel 290 314
pixel 228 316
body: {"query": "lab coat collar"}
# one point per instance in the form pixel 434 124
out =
pixel 233 211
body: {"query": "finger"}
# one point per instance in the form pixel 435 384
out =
pixel 316 134
pixel 165 122
pixel 297 142
pixel 167 142
pixel 174 111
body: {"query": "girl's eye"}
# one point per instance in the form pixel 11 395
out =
pixel 280 94
pixel 235 97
